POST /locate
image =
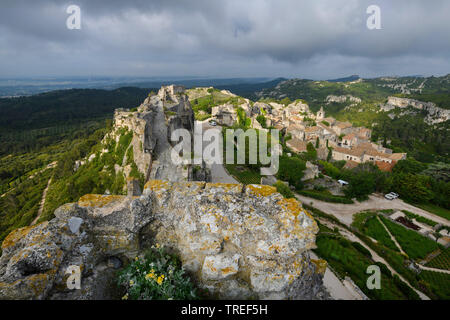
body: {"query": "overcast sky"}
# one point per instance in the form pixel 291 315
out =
pixel 317 39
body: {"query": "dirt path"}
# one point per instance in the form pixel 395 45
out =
pixel 345 212
pixel 392 237
pixel 350 236
pixel 218 172
pixel 41 205
pixel 49 166
pixel 433 269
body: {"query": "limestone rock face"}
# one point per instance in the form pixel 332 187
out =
pixel 434 113
pixel 152 126
pixel 238 242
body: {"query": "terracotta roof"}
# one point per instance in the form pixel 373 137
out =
pixel 362 129
pixel 313 129
pixel 385 166
pixel 343 125
pixel 293 127
pixel 296 145
pixel 350 164
pixel 295 119
pixel 397 156
pixel 349 136
pixel 358 152
pixel 328 129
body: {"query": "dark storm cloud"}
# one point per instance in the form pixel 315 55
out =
pixel 315 39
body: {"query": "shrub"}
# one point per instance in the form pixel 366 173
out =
pixel 284 190
pixel 262 121
pixel 330 169
pixel 291 170
pixel 156 276
pixel 358 246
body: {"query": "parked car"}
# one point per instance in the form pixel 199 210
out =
pixel 342 182
pixel 389 196
pixel 213 123
pixel 395 194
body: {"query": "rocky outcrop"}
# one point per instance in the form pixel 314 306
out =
pixel 434 114
pixel 342 99
pixel 224 114
pixel 239 242
pixel 311 172
pixel 152 126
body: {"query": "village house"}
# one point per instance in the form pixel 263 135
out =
pixel 342 127
pixel 297 145
pixel 348 143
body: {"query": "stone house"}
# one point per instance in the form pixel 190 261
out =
pixel 342 127
pixel 297 145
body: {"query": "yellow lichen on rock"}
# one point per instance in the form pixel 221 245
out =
pixel 291 205
pixel 97 200
pixel 261 190
pixel 157 185
pixel 227 187
pixel 321 265
pixel 18 234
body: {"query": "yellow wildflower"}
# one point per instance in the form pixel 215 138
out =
pixel 131 282
pixel 160 279
pixel 157 245
pixel 125 297
pixel 150 275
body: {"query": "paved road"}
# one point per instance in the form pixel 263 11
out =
pixel 335 287
pixel 345 212
pixel 218 172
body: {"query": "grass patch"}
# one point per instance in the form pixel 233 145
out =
pixel 346 259
pixel 243 174
pixel 441 261
pixel 367 223
pixel 438 282
pixel 415 245
pixel 320 195
pixel 439 211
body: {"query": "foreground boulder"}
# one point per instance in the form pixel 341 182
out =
pixel 238 242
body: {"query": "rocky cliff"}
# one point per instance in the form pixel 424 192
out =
pixel 152 125
pixel 434 113
pixel 237 241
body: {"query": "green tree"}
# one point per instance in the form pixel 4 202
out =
pixel 291 170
